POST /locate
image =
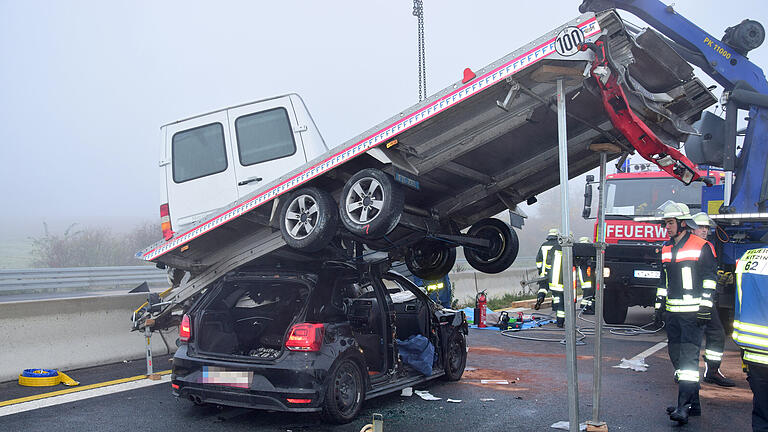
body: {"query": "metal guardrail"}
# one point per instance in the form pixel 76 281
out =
pixel 18 281
pixel 80 279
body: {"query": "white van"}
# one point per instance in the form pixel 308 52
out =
pixel 214 159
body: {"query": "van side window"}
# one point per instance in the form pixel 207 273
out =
pixel 198 152
pixel 264 136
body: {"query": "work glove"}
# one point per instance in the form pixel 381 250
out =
pixel 658 317
pixel 704 315
pixel 539 301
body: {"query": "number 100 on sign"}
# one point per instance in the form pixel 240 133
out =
pixel 568 41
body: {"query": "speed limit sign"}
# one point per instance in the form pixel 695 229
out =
pixel 568 41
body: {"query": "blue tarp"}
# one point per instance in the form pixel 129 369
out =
pixel 418 353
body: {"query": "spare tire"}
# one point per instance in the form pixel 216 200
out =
pixel 503 248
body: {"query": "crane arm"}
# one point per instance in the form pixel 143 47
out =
pixel 717 59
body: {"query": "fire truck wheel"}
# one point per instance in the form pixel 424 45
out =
pixel 503 248
pixel 371 204
pixel 456 358
pixel 430 260
pixel 615 310
pixel 308 219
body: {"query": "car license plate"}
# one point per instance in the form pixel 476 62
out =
pixel 216 375
pixel 647 274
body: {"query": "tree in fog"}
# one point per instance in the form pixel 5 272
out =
pixel 92 246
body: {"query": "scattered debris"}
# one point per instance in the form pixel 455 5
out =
pixel 408 391
pixel 636 364
pixel 487 399
pixel 453 400
pixel 469 368
pixel 427 396
pixel 493 381
pixel 564 425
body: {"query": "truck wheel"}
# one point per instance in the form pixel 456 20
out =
pixel 308 219
pixel 502 251
pixel 430 260
pixel 371 204
pixel 456 359
pixel 614 309
pixel 344 392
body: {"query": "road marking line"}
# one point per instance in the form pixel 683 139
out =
pixel 28 403
pixel 649 351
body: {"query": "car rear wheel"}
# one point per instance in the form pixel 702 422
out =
pixel 456 358
pixel 430 260
pixel 502 250
pixel 344 393
pixel 371 204
pixel 308 219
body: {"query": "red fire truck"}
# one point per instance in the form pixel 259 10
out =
pixel 632 257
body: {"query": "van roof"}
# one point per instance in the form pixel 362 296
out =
pixel 231 107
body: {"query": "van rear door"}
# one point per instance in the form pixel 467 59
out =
pixel 267 142
pixel 201 173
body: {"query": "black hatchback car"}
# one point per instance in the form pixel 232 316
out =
pixel 321 341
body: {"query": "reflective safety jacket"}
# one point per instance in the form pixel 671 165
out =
pixel 555 262
pixel 750 320
pixel 585 276
pixel 541 258
pixel 688 278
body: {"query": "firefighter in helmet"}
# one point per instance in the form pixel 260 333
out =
pixel 544 267
pixel 685 295
pixel 750 328
pixel 714 331
pixel 555 264
pixel 586 274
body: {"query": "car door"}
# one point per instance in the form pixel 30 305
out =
pixel 200 174
pixel 266 142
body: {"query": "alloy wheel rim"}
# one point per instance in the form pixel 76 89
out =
pixel 302 216
pixel 365 201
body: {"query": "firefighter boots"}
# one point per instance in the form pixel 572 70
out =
pixel 714 376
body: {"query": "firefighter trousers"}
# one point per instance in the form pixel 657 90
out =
pixel 558 304
pixel 757 375
pixel 715 342
pixel 587 297
pixel 684 336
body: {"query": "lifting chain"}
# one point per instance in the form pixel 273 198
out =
pixel 418 12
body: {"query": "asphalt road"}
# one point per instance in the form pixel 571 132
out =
pixel 534 399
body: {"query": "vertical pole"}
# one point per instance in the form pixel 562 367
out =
pixel 148 335
pixel 567 245
pixel 600 246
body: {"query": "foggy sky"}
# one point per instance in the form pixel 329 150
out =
pixel 85 85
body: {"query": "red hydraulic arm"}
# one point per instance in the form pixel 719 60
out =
pixel 631 126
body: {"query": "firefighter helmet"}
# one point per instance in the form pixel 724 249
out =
pixel 702 219
pixel 673 210
pixel 584 240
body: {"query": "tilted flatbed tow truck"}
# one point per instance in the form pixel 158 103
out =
pixel 410 185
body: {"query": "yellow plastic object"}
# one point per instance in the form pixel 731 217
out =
pixel 45 378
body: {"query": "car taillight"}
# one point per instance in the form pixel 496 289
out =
pixel 305 337
pixel 185 329
pixel 165 222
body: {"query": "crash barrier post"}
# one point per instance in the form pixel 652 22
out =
pixel 72 333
